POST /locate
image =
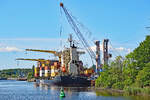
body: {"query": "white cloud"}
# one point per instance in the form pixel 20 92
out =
pixel 10 49
pixel 119 49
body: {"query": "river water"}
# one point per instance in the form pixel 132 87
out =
pixel 21 90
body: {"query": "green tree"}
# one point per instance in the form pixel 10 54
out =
pixel 112 76
pixel 143 77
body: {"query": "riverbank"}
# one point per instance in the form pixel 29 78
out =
pixel 18 79
pixel 31 80
pixel 128 91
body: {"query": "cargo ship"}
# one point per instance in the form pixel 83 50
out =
pixel 69 73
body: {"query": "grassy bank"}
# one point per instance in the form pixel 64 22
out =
pixel 137 91
pixel 118 93
pixel 129 91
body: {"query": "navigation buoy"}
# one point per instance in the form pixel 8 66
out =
pixel 62 93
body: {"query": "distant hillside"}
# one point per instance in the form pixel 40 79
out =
pixel 14 73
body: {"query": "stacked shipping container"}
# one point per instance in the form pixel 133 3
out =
pixel 47 69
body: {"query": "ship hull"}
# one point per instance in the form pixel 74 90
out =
pixel 68 81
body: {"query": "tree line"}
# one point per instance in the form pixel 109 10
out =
pixel 131 73
pixel 15 73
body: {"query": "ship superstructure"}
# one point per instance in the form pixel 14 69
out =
pixel 75 65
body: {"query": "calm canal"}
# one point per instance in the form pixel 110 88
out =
pixel 21 90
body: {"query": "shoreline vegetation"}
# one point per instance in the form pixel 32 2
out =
pixel 17 74
pixel 130 74
pixel 117 92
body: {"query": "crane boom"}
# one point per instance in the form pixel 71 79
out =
pixel 41 60
pixel 48 51
pixel 75 28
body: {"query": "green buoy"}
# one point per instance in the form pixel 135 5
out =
pixel 62 93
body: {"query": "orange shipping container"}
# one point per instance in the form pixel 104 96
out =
pixel 36 74
pixel 47 68
pixel 55 63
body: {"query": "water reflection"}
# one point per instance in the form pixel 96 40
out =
pixel 107 93
pixel 71 92
pixel 16 90
pixel 82 92
pixel 67 89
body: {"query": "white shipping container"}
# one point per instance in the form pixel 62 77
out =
pixel 42 73
pixel 47 71
pixel 54 71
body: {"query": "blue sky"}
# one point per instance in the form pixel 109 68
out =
pixel 36 24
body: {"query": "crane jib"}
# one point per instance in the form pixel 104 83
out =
pixel 78 32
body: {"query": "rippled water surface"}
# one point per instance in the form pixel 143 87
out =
pixel 21 90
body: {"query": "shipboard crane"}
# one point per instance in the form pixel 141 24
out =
pixel 77 31
pixel 48 51
pixel 40 60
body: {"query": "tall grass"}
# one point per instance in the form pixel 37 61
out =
pixel 137 90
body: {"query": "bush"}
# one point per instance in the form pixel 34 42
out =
pixel 133 90
pixel 118 85
pixel 143 77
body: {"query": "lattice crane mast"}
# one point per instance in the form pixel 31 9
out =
pixel 77 31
